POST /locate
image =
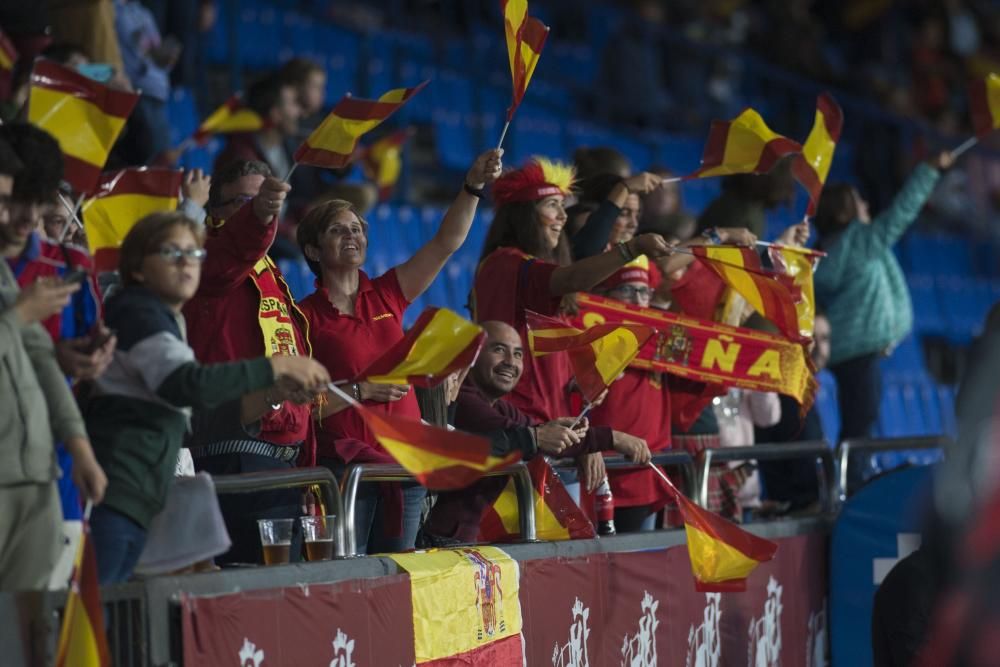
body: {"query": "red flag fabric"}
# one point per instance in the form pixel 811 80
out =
pixel 82 640
pixel 812 166
pixel 526 37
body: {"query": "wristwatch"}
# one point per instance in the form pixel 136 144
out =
pixel 356 391
pixel 712 235
pixel 478 193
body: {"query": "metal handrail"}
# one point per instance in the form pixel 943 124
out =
pixel 678 459
pixel 387 472
pixel 881 445
pixel 291 478
pixel 819 449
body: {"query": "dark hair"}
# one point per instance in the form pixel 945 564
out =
pixel 145 238
pixel 296 71
pixel 317 221
pixel 574 214
pixel 596 188
pixel 233 172
pixel 62 52
pixel 265 94
pixel 670 226
pixel 41 159
pixel 431 402
pixel 771 189
pixel 10 164
pixel 590 161
pixel 836 208
pixel 517 225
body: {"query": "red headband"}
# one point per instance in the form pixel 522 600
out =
pixel 523 185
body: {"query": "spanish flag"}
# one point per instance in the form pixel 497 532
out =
pixel 229 118
pixel 772 295
pixel 813 165
pixel 557 517
pixel 599 354
pixel 82 642
pixel 383 162
pixel 984 104
pixel 743 145
pixel 526 37
pixel 439 343
pixel 332 144
pixel 799 264
pixel 722 554
pixel 440 459
pixel 84 116
pixel 8 58
pixel 123 198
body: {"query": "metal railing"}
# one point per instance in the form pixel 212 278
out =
pixel 386 472
pixel 872 446
pixel 817 449
pixel 267 480
pixel 673 459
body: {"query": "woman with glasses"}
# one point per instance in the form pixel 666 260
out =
pixel 139 410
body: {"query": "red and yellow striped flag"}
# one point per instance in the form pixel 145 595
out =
pixel 722 554
pixel 813 165
pixel 333 143
pixel 557 517
pixel 439 343
pixel 599 354
pixel 84 116
pixel 8 58
pixel 384 162
pixel 440 459
pixel 229 118
pixel 82 642
pixel 768 293
pixel 526 37
pixel 743 145
pixel 123 198
pixel 799 264
pixel 984 104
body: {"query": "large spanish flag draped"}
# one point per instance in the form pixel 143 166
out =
pixel 722 554
pixel 440 459
pixel 123 198
pixel 439 343
pixel 799 264
pixel 332 144
pixel 526 37
pixel 770 294
pixel 984 104
pixel 82 642
pixel 813 165
pixel 84 116
pixel 557 517
pixel 231 117
pixel 599 354
pixel 743 145
pixel 383 161
pixel 466 606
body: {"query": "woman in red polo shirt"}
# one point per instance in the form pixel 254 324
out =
pixel 525 265
pixel 353 319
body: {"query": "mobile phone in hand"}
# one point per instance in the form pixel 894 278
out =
pixel 98 339
pixel 74 276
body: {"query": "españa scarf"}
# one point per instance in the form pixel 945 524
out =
pixel 277 311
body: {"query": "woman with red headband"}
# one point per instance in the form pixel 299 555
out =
pixel 525 265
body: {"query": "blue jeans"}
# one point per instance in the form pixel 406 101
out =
pixel 370 519
pixel 118 542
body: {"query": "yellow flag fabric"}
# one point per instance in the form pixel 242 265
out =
pixel 984 104
pixel 799 264
pixel 744 145
pixel 231 117
pixel 463 599
pixel 82 642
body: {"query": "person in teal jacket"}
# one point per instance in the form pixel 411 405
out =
pixel 861 287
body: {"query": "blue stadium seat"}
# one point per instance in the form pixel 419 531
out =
pixel 259 41
pixel 965 302
pixel 906 363
pixel 536 133
pixel 927 313
pixel 826 404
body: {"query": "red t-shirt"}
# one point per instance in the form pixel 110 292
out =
pixel 638 403
pixel 508 282
pixel 347 344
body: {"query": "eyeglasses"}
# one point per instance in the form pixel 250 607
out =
pixel 175 255
pixel 629 291
pixel 238 200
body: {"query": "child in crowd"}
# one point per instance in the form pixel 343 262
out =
pixel 139 410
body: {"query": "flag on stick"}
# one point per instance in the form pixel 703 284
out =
pixel 799 264
pixel 439 343
pixel 123 198
pixel 333 143
pixel 229 118
pixel 383 162
pixel 84 116
pixel 557 517
pixel 813 165
pixel 526 37
pixel 82 641
pixel 984 104
pixel 722 554
pixel 599 354
pixel 743 145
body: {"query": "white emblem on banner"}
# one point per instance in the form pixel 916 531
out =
pixel 764 648
pixel 250 655
pixel 574 652
pixel 816 638
pixel 704 647
pixel 640 650
pixel 343 651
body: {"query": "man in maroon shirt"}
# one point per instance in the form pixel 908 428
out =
pixel 456 515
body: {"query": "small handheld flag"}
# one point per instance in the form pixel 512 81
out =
pixel 526 37
pixel 743 145
pixel 813 165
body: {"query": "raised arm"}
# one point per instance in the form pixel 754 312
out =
pixel 417 273
pixel 592 239
pixel 586 273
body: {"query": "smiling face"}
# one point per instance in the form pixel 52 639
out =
pixel 501 361
pixel 173 279
pixel 344 242
pixel 627 221
pixel 552 218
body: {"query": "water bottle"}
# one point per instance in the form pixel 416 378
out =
pixel 604 508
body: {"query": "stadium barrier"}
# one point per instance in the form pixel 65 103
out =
pixel 858 447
